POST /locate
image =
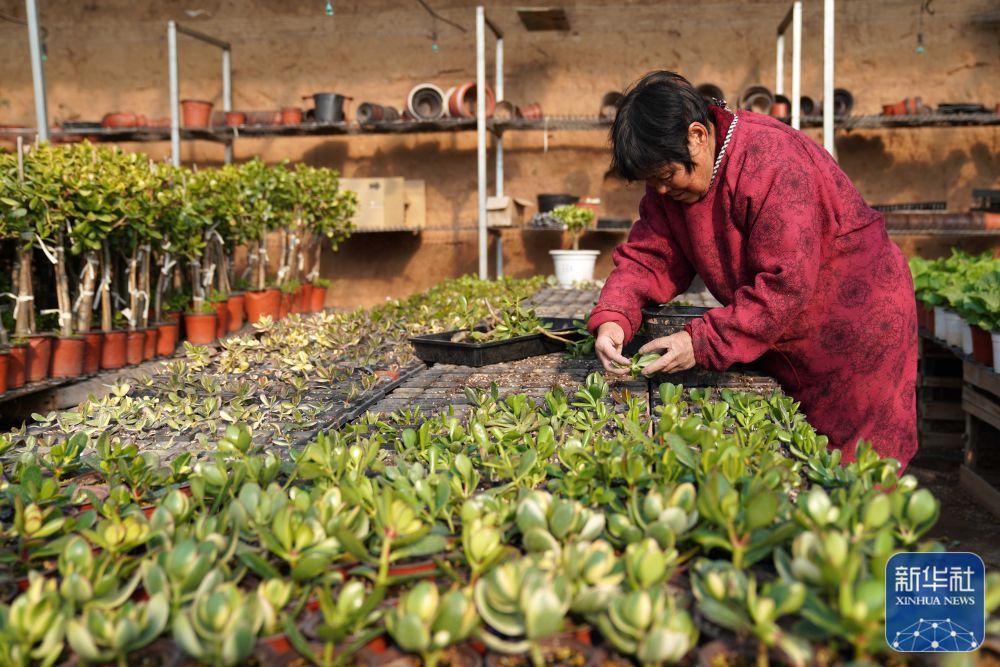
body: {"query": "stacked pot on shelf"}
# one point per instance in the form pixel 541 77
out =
pixel 140 249
pixel 958 301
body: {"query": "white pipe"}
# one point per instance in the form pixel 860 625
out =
pixel 796 64
pixel 37 71
pixel 481 135
pixel 499 137
pixel 828 35
pixel 779 66
pixel 227 96
pixel 175 121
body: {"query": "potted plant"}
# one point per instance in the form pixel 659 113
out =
pixel 220 303
pixel 257 220
pixel 318 295
pixel 200 324
pixel 574 265
pixel 326 210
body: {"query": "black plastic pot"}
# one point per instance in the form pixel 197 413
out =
pixel 657 322
pixel 548 202
pixel 329 107
pixel 806 106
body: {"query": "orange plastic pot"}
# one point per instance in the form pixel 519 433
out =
pixel 221 318
pixel 135 345
pixel 92 351
pixel 285 305
pixel 113 350
pixel 167 342
pixel 39 356
pixel 152 338
pixel 236 302
pixel 261 303
pixel 317 298
pixel 4 361
pixel 300 300
pixel 196 112
pixel 17 365
pixel 200 327
pixel 462 102
pixel 67 356
pixel 982 346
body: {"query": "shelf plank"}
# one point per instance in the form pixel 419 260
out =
pixel 981 406
pixel 983 378
pixel 980 489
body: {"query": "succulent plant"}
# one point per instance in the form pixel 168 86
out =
pixel 90 579
pixel 649 625
pixel 547 523
pixel 102 635
pixel 426 622
pixel 594 572
pixel 179 569
pixel 220 626
pixel 525 603
pixel 33 627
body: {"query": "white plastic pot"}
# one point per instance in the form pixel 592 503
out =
pixel 953 328
pixel 573 266
pixel 996 351
pixel 966 338
pixel 940 323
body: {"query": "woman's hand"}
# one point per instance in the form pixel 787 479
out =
pixel 608 347
pixel 677 351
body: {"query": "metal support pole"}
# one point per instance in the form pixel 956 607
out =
pixel 779 65
pixel 796 64
pixel 175 121
pixel 481 135
pixel 37 71
pixel 498 89
pixel 499 253
pixel 227 95
pixel 828 36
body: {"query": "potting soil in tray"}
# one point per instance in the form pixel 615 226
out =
pixel 439 348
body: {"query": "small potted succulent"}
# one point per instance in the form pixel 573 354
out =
pixel 573 266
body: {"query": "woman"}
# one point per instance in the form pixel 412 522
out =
pixel 813 290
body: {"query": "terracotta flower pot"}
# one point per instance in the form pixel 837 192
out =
pixel 39 356
pixel 982 346
pixel 462 101
pixel 221 318
pixel 196 113
pixel 300 300
pixel 135 345
pixel 234 118
pixel 113 350
pixel 200 327
pixel 236 302
pixel 167 342
pixel 17 365
pixel 261 303
pixel 67 356
pixel 152 338
pixel 92 352
pixel 317 299
pixel 4 361
pixel 285 305
pixel 291 115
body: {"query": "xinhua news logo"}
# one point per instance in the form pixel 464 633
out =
pixel 935 602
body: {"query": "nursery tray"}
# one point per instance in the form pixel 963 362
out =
pixel 438 348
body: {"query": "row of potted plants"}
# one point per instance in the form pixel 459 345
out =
pixel 958 300
pixel 132 232
pixel 287 378
pixel 583 528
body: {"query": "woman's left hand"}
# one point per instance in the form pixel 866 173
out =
pixel 677 351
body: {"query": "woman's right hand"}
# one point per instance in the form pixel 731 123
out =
pixel 608 346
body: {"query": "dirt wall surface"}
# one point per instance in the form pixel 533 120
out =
pixel 108 55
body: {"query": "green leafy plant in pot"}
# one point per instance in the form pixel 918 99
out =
pixel 574 266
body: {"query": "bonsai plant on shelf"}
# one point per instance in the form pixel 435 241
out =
pixel 574 265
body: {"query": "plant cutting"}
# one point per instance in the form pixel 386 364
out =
pixel 103 635
pixel 220 626
pixel 574 266
pixel 33 627
pixel 649 625
pixel 347 621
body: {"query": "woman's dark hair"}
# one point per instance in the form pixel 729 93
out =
pixel 651 126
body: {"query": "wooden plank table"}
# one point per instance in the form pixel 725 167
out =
pixel 980 473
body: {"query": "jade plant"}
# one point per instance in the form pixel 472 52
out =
pixel 427 622
pixel 576 218
pixel 220 626
pixel 649 625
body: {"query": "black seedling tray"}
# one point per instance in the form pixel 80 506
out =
pixel 438 348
